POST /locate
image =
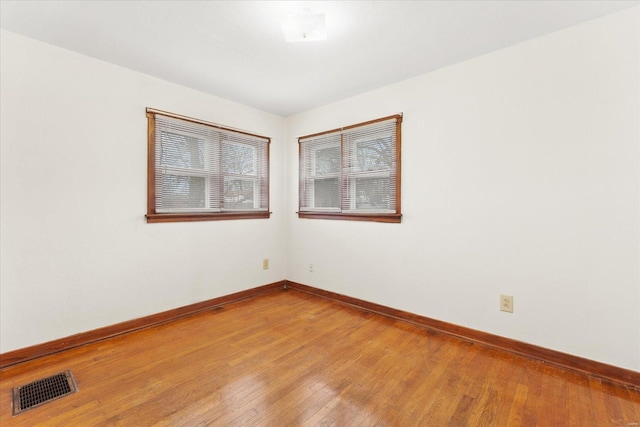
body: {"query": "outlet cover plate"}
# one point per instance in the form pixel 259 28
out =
pixel 506 303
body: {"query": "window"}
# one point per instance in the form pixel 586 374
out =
pixel 199 171
pixel 352 173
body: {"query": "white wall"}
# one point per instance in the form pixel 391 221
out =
pixel 520 177
pixel 76 252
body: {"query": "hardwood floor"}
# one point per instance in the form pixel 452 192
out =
pixel 288 358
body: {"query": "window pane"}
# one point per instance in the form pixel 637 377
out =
pixel 181 151
pixel 352 172
pixel 372 193
pixel 327 160
pixel 373 155
pixel 199 169
pixel 326 193
pixel 238 193
pixel 238 159
pixel 183 192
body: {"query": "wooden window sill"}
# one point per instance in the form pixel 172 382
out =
pixel 181 217
pixel 390 218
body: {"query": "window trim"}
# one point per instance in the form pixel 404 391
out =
pixel 395 217
pixel 153 216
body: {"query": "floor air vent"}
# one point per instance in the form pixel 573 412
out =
pixel 42 391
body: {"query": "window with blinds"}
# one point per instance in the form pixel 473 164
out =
pixel 202 171
pixel 352 173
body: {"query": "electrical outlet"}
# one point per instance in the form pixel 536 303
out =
pixel 265 264
pixel 506 303
pixel 310 268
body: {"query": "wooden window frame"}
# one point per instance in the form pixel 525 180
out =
pixel 153 216
pixel 395 217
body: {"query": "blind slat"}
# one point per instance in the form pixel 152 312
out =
pixel 351 170
pixel 201 168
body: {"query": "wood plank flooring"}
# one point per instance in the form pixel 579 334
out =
pixel 288 358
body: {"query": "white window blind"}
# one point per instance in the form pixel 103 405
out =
pixel 202 168
pixel 354 170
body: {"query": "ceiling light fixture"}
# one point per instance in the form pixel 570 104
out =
pixel 304 27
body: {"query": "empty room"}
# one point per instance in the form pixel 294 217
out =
pixel 301 213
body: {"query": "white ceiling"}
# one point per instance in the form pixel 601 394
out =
pixel 236 49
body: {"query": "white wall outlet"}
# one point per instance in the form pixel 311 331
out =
pixel 310 268
pixel 506 303
pixel 265 264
